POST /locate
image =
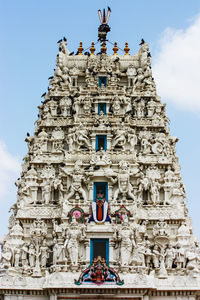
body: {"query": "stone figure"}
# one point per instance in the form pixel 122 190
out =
pixel 101 120
pixel 116 105
pixel 169 175
pixel 66 79
pixel 65 105
pixel 58 186
pixel 131 74
pixel 144 185
pixel 17 256
pixel 30 141
pixel 156 256
pixel 82 138
pixel 123 179
pixel 151 108
pixel 127 243
pixel 143 54
pixel 6 256
pixel 132 139
pixel 192 257
pixel 145 144
pixel 76 186
pixel 139 108
pixel 71 139
pixel 74 235
pixel 44 249
pixel 86 104
pixel 119 139
pixel 58 253
pixel 16 230
pixel 24 256
pixel 148 254
pixel 42 140
pixel 24 194
pixel 46 192
pixel 154 192
pixel 169 256
pixel 32 255
pixel 180 260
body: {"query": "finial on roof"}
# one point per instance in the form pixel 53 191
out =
pixel 115 49
pixel 92 49
pixel 126 49
pixel 104 28
pixel 103 48
pixel 80 49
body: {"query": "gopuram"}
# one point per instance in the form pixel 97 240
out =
pixel 100 210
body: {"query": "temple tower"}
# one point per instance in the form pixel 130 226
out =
pixel 100 204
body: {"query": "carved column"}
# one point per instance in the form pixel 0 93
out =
pixel 87 251
pixel 111 248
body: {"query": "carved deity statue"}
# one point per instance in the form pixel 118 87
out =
pixel 119 139
pixel 74 236
pixel 123 179
pixel 127 243
pixel 76 188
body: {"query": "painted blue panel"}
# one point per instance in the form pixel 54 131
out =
pixel 102 106
pixel 103 80
pixel 105 141
pixel 92 248
pixel 103 184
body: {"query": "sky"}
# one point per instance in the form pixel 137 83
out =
pixel 29 31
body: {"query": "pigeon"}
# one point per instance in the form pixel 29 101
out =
pixel 72 53
pixel 96 167
pixel 87 167
pixel 59 41
pixel 64 39
pixel 128 112
pixel 77 53
pixel 109 9
pixel 43 95
pixel 51 77
pixel 87 53
pixel 116 60
pixel 142 42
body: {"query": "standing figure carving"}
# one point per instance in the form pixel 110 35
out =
pixel 127 243
pixel 74 236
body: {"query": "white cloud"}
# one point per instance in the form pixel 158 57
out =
pixel 176 66
pixel 9 170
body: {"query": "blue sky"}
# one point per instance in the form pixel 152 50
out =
pixel 29 31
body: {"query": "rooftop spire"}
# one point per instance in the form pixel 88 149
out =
pixel 104 28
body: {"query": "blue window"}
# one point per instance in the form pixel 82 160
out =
pixel 99 247
pixel 102 107
pixel 102 81
pixel 101 142
pixel 101 187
